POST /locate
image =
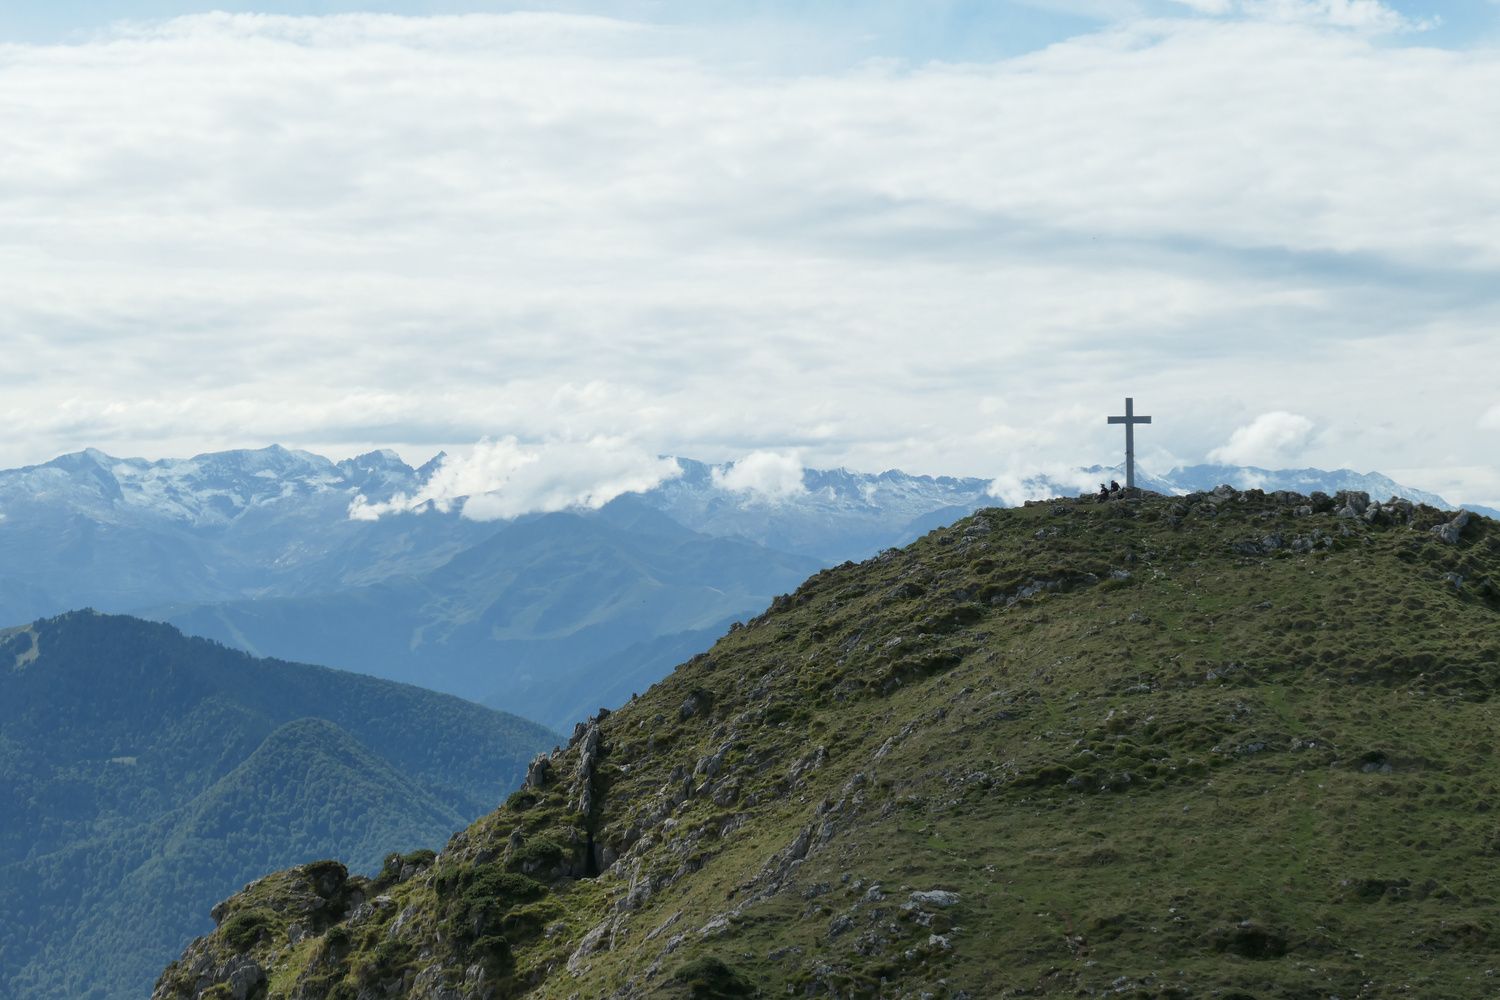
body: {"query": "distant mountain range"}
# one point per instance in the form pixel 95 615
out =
pixel 546 615
pixel 89 530
pixel 145 775
pixel 522 617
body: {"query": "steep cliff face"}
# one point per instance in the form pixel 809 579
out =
pixel 1229 744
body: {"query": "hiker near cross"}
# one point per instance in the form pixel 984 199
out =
pixel 1129 420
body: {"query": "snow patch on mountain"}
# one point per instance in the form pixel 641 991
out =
pixel 206 490
pixel 768 497
pixel 836 515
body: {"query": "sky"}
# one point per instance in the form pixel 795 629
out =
pixel 943 236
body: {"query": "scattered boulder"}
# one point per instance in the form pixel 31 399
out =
pixel 538 771
pixel 1223 671
pixel 594 941
pixel 939 898
pixel 1351 503
pixel 245 978
pixel 906 591
pixel 716 926
pixel 1450 532
pixel 238 977
pixel 694 704
pixel 978 526
pixel 710 766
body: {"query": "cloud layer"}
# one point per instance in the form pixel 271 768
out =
pixel 767 474
pixel 502 479
pixel 366 230
pixel 1269 441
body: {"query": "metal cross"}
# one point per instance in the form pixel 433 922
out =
pixel 1129 420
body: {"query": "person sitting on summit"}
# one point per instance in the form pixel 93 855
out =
pixel 1114 487
pixel 1103 492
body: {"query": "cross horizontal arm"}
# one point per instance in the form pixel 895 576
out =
pixel 1129 420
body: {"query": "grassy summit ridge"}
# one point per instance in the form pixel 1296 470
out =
pixel 1229 745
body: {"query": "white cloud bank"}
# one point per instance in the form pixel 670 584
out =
pixel 767 474
pixel 1268 441
pixel 495 480
pixel 1014 488
pixel 1368 16
pixel 230 230
pixel 1209 6
pixel 504 478
pixel 1362 15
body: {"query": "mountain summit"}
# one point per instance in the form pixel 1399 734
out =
pixel 1230 744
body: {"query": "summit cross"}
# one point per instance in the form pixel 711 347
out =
pixel 1129 420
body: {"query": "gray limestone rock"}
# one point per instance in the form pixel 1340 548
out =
pixel 1453 530
pixel 244 977
pixel 939 898
pixel 693 705
pixel 594 941
pixel 538 771
pixel 1351 503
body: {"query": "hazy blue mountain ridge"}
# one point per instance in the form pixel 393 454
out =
pixel 541 614
pixel 510 618
pixel 144 775
pixel 127 535
pixel 88 529
pixel 839 515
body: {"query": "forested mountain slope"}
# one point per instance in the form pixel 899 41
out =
pixel 513 618
pixel 144 774
pixel 1229 744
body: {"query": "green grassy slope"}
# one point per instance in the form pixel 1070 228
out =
pixel 1218 746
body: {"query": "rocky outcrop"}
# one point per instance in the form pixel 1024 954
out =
pixel 538 771
pixel 1451 531
pixel 288 906
pixel 588 740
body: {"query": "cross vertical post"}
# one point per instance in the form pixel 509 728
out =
pixel 1129 420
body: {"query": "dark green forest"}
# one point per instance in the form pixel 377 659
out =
pixel 145 775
